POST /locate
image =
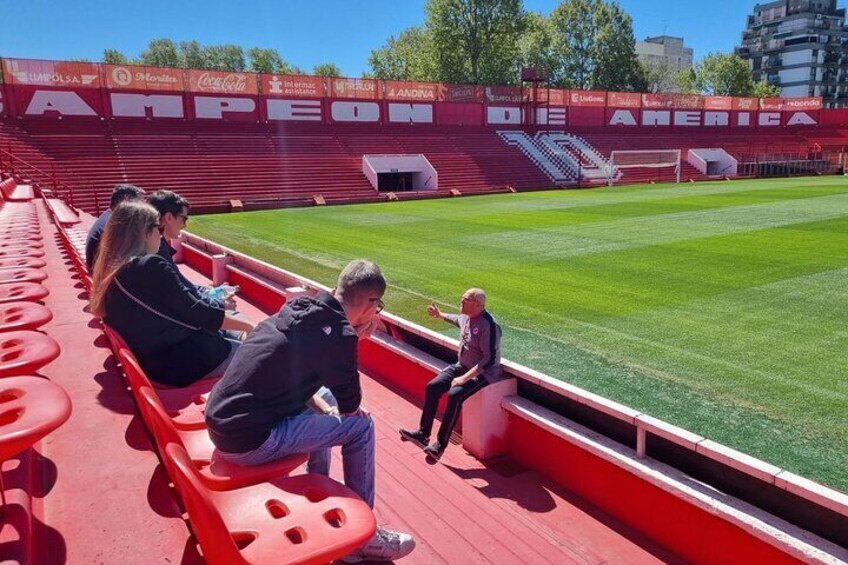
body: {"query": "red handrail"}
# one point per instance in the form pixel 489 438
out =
pixel 32 170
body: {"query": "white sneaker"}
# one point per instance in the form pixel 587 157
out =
pixel 386 545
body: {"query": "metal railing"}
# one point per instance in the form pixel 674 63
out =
pixel 14 165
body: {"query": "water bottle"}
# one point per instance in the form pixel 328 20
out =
pixel 221 293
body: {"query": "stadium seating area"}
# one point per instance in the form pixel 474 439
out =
pixel 274 165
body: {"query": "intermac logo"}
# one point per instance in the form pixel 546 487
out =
pixel 122 76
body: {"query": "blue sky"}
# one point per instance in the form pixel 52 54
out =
pixel 305 32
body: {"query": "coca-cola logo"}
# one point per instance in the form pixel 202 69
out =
pixel 227 83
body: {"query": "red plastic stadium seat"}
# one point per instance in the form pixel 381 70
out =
pixel 21 275
pixel 22 262
pixel 22 252
pixel 306 519
pixel 25 291
pixel 23 316
pixel 216 473
pixel 15 243
pixel 32 234
pixel 30 408
pixel 25 352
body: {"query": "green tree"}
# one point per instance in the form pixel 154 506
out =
pixel 327 70
pixel 763 89
pixel 476 40
pixel 405 58
pixel 114 57
pixel 192 55
pixel 267 61
pixel 661 76
pixel 722 74
pixel 161 53
pixel 536 47
pixel 595 42
pixel 224 58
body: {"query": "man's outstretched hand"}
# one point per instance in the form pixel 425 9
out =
pixel 434 311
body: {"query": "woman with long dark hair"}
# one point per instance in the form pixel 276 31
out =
pixel 174 335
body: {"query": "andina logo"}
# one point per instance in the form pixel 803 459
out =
pixel 228 83
pixel 122 76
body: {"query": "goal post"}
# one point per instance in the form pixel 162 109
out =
pixel 646 159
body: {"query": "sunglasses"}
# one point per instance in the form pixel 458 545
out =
pixel 380 304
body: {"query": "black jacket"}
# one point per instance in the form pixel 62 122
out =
pixel 167 253
pixel 168 352
pixel 92 241
pixel 280 366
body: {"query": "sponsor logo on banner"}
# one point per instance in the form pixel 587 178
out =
pixel 503 94
pixel 672 101
pixel 587 98
pixel 51 73
pixel 746 104
pixel 624 100
pixel 354 88
pixel 411 90
pixel 771 104
pixel 460 93
pixel 222 82
pixel 790 104
pixel 300 86
pixel 143 78
pixel 718 103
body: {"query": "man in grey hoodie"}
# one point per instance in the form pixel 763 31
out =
pixel 272 400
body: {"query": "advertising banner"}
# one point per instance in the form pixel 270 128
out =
pixel 51 73
pixel 802 104
pixel 460 93
pixel 360 88
pixel 505 95
pixel 587 98
pixel 771 104
pixel 624 100
pixel 293 86
pixel 672 101
pixel 746 104
pixel 130 77
pixel 218 82
pixel 425 91
pixel 718 103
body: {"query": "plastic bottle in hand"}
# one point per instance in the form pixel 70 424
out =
pixel 221 293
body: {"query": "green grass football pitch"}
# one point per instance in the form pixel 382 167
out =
pixel 718 307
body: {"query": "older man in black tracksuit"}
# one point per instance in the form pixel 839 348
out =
pixel 478 365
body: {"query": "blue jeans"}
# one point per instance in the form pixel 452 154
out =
pixel 314 433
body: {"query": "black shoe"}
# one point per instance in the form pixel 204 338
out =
pixel 434 450
pixel 416 436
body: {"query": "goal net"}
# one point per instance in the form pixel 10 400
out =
pixel 647 159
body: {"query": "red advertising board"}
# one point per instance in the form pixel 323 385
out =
pixel 505 94
pixel 672 101
pixel 218 82
pixel 426 91
pixel 746 104
pixel 51 73
pixel 130 77
pixel 293 86
pixel 802 104
pixel 460 93
pixel 459 114
pixel 771 104
pixel 624 100
pixel 718 103
pixel 360 88
pixel 587 98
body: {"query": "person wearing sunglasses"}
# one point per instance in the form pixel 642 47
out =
pixel 478 364
pixel 173 218
pixel 293 387
pixel 175 336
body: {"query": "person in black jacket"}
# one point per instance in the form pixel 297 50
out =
pixel 269 404
pixel 122 193
pixel 173 216
pixel 173 334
